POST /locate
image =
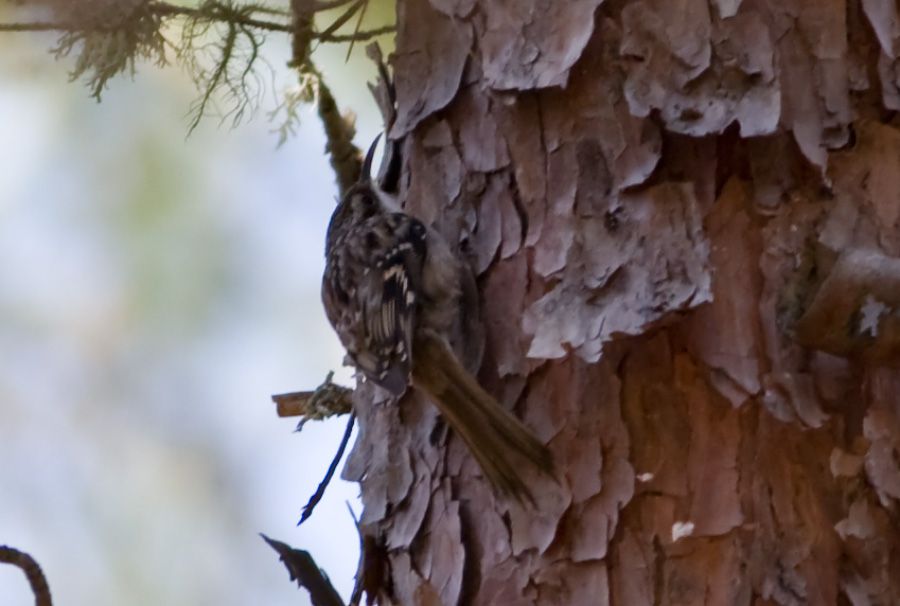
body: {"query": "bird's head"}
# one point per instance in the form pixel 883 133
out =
pixel 359 203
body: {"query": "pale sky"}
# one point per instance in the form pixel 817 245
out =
pixel 154 291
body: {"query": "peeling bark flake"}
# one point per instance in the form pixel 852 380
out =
pixel 505 282
pixel 712 460
pixel 389 476
pixel 629 279
pixel 528 44
pixel 454 8
pixel 481 145
pixel 408 516
pixel 733 347
pixel 489 228
pixel 882 15
pixel 700 75
pixel 881 428
pixel 436 175
pixel 446 551
pixel 586 584
pixel 432 50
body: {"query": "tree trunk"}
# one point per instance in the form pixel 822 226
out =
pixel 685 220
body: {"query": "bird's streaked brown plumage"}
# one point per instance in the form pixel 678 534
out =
pixel 406 309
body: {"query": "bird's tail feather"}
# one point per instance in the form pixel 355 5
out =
pixel 495 437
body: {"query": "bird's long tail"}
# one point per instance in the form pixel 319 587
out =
pixel 496 438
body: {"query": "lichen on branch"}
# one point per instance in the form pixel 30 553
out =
pixel 221 52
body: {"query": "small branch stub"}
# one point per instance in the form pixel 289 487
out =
pixel 327 400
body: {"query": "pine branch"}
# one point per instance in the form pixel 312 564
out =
pixel 215 11
pixel 37 26
pixel 220 48
pixel 218 11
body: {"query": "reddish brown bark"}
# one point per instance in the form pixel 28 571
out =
pixel 686 221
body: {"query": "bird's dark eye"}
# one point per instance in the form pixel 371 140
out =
pixel 364 203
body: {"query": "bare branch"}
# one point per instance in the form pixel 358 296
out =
pixel 227 67
pixel 223 13
pixel 360 36
pixel 33 573
pixel 216 78
pixel 306 572
pixel 328 5
pixel 344 17
pixel 320 490
pixel 220 11
pixel 327 400
pixel 216 11
pixel 222 69
pixel 33 27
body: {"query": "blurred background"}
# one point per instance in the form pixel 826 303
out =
pixel 155 290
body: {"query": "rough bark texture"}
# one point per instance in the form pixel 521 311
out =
pixel 685 216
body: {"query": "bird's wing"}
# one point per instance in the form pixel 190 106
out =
pixel 394 247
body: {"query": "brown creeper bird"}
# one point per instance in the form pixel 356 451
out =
pixel 404 306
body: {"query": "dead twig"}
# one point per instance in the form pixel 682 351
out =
pixel 303 569
pixel 326 400
pixel 33 573
pixel 221 12
pixel 320 489
pixel 359 36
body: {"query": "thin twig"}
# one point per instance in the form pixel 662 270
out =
pixel 33 573
pixel 161 9
pixel 218 74
pixel 362 15
pixel 271 10
pixel 164 9
pixel 361 36
pixel 343 18
pixel 320 490
pixel 328 5
pixel 34 27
